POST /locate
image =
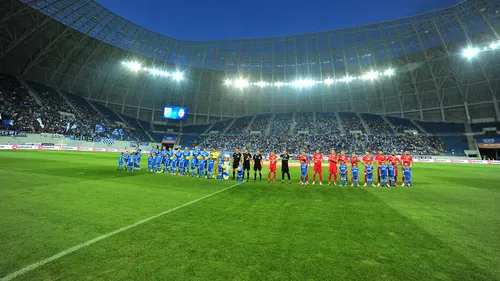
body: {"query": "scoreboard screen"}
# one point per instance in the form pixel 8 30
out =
pixel 174 112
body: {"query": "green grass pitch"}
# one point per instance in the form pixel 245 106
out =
pixel 446 228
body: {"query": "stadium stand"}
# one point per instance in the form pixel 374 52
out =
pixel 401 124
pixel 376 124
pixel 281 123
pixel 261 122
pixel 108 113
pixel 303 121
pixel 166 128
pixel 195 129
pixel 221 125
pixel 442 127
pixel 326 123
pixel 351 122
pixel 479 127
pixel 240 125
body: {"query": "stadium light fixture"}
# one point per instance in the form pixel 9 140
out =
pixel 470 52
pixel 261 84
pixel 279 84
pixel 228 82
pixel 329 81
pixel 241 83
pixel 347 79
pixel 177 76
pixel 372 75
pixel 495 45
pixel 389 72
pixel 134 66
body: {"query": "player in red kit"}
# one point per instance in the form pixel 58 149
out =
pixel 394 160
pixel 354 163
pixel 273 159
pixel 333 159
pixel 366 159
pixel 344 158
pixel 318 159
pixel 408 160
pixel 380 158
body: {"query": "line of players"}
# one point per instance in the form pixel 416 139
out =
pixel 387 168
pixel 210 165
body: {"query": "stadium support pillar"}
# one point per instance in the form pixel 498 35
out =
pixel 421 114
pixel 467 113
pixel 443 118
pixel 495 106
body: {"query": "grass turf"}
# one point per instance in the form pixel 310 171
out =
pixel 446 228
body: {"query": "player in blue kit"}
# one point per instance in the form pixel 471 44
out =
pixel 173 165
pixel 201 167
pixel 369 174
pixel 383 174
pixel 343 173
pixel 158 161
pixel 355 176
pixel 210 168
pixel 241 173
pixel 120 161
pixel 131 161
pixel 407 174
pixel 303 173
pixel 138 159
pixel 219 169
pixel 182 165
pixel 194 163
pixel 166 162
pixel 391 171
pixel 187 156
pixel 153 168
pixel 150 162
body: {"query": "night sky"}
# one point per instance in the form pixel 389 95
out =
pixel 219 19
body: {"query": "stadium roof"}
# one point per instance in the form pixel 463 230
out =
pixel 314 51
pixel 80 47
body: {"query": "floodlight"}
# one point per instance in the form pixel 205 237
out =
pixel 494 45
pixel 279 84
pixel 241 83
pixel 261 84
pixel 347 79
pixel 471 52
pixel 389 72
pixel 228 82
pixel 372 75
pixel 177 76
pixel 156 71
pixel 329 81
pixel 135 66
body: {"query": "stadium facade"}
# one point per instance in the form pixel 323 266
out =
pixel 79 46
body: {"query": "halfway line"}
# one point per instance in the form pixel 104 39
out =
pixel 102 237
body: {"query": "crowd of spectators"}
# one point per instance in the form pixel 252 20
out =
pixel 21 113
pixel 281 125
pixel 327 125
pixel 260 123
pixel 295 143
pixel 400 129
pixel 303 122
pixel 378 127
pixel 351 123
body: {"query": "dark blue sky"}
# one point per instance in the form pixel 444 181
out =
pixel 219 19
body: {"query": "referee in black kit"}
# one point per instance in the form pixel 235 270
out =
pixel 247 157
pixel 236 161
pixel 285 157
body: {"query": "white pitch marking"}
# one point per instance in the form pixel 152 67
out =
pixel 102 237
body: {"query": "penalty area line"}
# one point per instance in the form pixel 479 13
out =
pixel 104 236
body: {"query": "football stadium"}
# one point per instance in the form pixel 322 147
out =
pixel 362 153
